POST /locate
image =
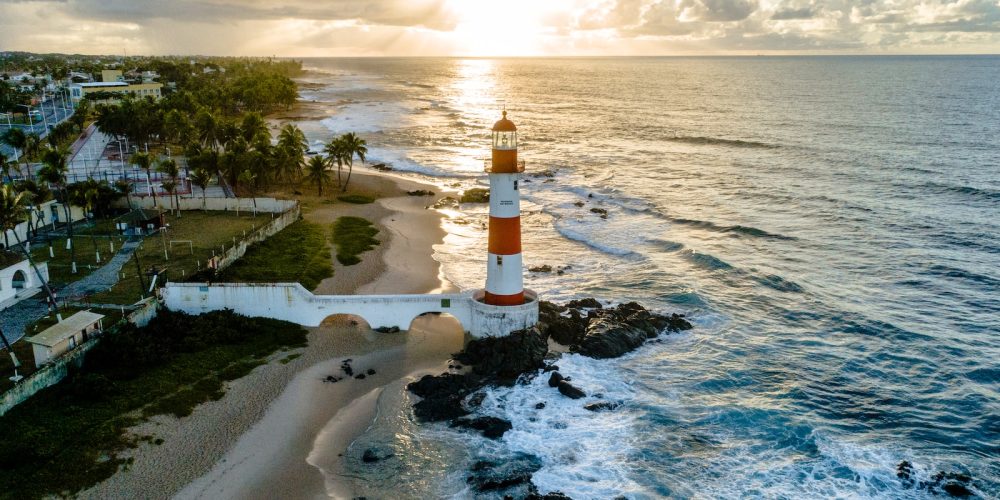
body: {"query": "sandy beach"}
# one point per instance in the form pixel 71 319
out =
pixel 258 440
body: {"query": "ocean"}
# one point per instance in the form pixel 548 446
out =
pixel 831 225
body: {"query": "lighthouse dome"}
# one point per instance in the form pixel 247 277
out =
pixel 504 125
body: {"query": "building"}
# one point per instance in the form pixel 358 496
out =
pixel 139 221
pixel 112 88
pixel 65 336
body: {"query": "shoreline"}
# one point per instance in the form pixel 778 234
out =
pixel 211 452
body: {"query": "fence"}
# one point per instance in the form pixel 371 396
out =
pixel 54 372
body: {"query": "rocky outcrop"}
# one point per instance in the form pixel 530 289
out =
pixel 420 192
pixel 500 360
pixel 491 427
pixel 476 195
pixel 490 475
pixel 601 406
pixel 599 332
pixel 955 484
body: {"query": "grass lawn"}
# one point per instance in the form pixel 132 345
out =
pixel 69 436
pixel 208 233
pixel 357 199
pixel 353 236
pixel 300 252
pixel 86 249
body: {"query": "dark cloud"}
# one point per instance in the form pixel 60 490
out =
pixel 792 14
pixel 719 10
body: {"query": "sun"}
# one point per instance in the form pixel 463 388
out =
pixel 508 28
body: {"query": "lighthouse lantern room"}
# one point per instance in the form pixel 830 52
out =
pixel 504 268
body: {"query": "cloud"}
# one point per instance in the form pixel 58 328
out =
pixel 565 27
pixel 794 14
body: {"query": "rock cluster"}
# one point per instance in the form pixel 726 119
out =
pixel 420 192
pixel 476 195
pixel 585 325
pixel 955 484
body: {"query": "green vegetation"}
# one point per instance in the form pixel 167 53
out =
pixel 476 195
pixel 357 199
pixel 353 236
pixel 208 233
pixel 300 252
pixel 70 436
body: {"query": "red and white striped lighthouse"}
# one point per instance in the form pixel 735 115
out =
pixel 504 274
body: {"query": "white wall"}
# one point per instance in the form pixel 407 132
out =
pixel 266 205
pixel 7 290
pixel 292 302
pixel 42 218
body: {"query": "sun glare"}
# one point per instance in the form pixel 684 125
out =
pixel 508 28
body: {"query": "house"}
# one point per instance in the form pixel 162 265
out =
pixel 65 336
pixel 139 221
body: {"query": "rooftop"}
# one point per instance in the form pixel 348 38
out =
pixel 65 329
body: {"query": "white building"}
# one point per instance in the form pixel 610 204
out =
pixel 65 336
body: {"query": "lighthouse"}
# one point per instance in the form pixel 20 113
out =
pixel 504 272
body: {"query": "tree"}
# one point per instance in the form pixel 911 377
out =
pixel 292 147
pixel 80 114
pixel 54 172
pixel 335 152
pixel 200 176
pixel 17 139
pixel 31 144
pixel 316 172
pixel 123 187
pixel 352 146
pixel 169 168
pixel 145 162
pixel 5 166
pixel 248 179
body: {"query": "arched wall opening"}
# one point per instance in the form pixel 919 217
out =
pixel 19 280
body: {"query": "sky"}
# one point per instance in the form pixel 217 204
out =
pixel 328 28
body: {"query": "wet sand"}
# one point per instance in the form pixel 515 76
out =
pixel 255 442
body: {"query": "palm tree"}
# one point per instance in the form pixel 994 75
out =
pixel 54 172
pixel 123 187
pixel 316 172
pixel 335 154
pixel 291 150
pixel 200 176
pixel 169 168
pixel 353 146
pixel 5 166
pixel 248 178
pixel 13 210
pixel 31 144
pixel 17 139
pixel 89 203
pixel 145 162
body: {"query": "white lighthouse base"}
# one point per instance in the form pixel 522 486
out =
pixel 292 302
pixel 498 321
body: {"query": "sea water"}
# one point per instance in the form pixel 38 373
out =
pixel 831 225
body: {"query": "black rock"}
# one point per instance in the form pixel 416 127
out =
pixel 491 427
pixel 476 399
pixel 601 406
pixel 420 192
pixel 554 379
pixel 539 406
pixel 555 495
pixel 569 390
pixel 502 359
pixel 579 203
pixel 545 268
pixel 599 211
pixel 360 376
pixel 550 368
pixel 371 371
pixel 369 456
pixel 904 471
pixel 442 396
pixel 503 474
pixel 590 303
pixel 387 329
pixel 347 369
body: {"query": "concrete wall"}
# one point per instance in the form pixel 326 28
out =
pixel 266 205
pixel 276 224
pixel 292 302
pixel 31 281
pixel 42 216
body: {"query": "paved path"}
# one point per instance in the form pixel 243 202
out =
pixel 16 318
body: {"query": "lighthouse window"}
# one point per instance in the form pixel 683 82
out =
pixel 515 185
pixel 499 260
